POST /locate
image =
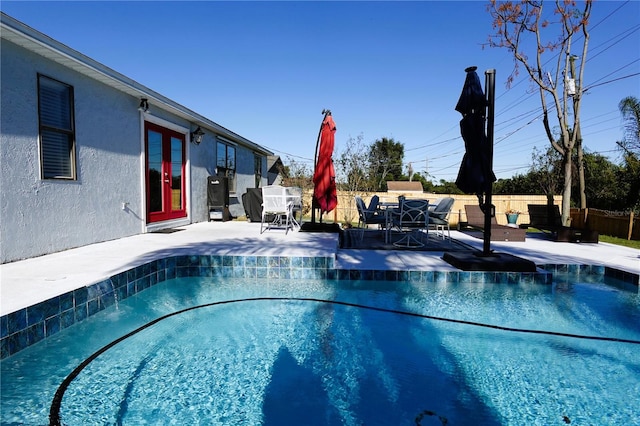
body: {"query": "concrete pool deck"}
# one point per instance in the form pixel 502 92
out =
pixel 27 282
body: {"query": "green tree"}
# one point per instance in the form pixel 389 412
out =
pixel 518 184
pixel 446 187
pixel 521 26
pixel 546 170
pixel 385 162
pixel 605 190
pixel 631 179
pixel 544 176
pixel 426 184
pixel 630 109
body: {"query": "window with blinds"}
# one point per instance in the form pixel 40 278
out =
pixel 57 135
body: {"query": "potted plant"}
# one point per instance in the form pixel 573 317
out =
pixel 512 216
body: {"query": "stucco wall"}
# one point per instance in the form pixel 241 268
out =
pixel 202 157
pixel 244 179
pixel 43 216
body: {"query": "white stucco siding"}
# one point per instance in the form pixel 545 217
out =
pixel 44 216
pixel 202 166
pixel 39 216
pixel 245 178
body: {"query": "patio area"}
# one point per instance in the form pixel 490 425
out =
pixel 30 281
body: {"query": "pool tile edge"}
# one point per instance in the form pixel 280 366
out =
pixel 25 327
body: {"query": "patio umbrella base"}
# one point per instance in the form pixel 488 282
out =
pixel 320 227
pixel 477 261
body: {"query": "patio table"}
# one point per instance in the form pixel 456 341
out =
pixel 389 208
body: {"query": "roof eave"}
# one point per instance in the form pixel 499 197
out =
pixel 21 34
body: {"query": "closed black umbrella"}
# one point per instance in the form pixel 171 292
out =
pixel 475 170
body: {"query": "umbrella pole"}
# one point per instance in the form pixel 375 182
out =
pixel 489 211
pixel 314 206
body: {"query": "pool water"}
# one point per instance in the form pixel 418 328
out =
pixel 301 358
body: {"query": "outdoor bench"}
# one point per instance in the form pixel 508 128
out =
pixel 547 218
pixel 475 220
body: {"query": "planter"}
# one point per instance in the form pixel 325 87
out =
pixel 512 218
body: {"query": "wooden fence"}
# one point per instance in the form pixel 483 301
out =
pixel 346 211
pixel 614 223
pixel 617 224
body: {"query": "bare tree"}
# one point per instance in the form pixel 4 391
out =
pixel 520 27
pixel 299 174
pixel 351 172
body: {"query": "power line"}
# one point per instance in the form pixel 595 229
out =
pixel 611 81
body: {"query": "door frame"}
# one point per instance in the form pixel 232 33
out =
pixel 153 226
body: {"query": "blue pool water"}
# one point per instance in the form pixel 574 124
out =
pixel 294 361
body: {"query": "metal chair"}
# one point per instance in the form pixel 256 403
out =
pixel 276 203
pixel 368 216
pixel 438 217
pixel 411 216
pixel 294 195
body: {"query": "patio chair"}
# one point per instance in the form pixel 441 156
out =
pixel 433 205
pixel 294 195
pixel 369 216
pixel 277 209
pixel 439 216
pixel 411 216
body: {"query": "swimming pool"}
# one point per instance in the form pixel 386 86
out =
pixel 282 351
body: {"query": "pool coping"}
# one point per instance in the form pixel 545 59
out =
pixel 30 325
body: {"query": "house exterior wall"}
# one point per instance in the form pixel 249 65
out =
pixel 39 216
pixel 44 216
pixel 245 178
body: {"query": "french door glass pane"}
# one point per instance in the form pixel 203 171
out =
pixel 176 174
pixel 155 171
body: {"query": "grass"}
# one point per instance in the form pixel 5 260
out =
pixel 620 241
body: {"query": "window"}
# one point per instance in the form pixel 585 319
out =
pixel 57 133
pixel 257 170
pixel 226 163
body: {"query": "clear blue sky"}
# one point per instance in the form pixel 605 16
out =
pixel 266 70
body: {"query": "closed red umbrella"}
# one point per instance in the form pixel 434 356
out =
pixel 325 196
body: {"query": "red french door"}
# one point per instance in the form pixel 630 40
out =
pixel 165 160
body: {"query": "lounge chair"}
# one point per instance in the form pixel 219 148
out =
pixel 547 218
pixel 475 219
